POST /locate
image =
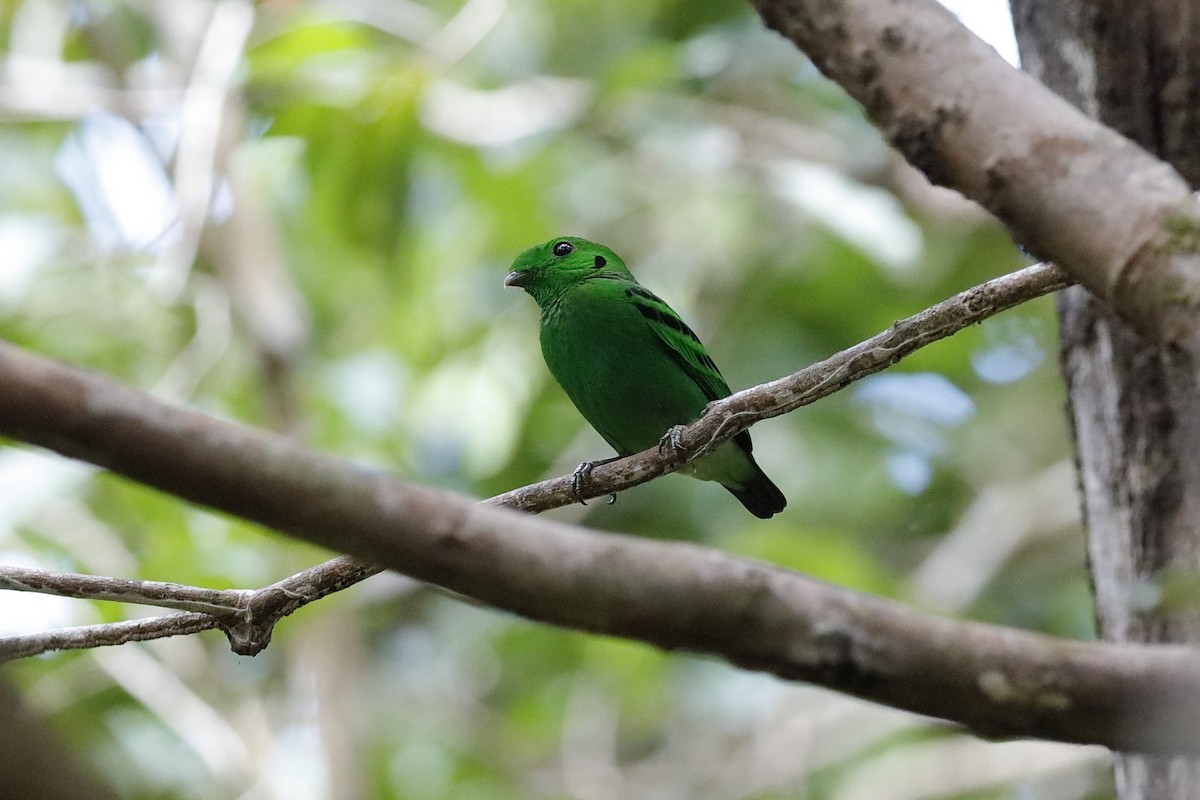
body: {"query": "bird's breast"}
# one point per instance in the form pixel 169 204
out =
pixel 616 371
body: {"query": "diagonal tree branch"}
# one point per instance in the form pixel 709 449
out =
pixel 248 616
pixel 996 681
pixel 726 418
pixel 1121 222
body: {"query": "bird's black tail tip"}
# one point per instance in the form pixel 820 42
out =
pixel 760 496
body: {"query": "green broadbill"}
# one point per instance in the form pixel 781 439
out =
pixel 630 365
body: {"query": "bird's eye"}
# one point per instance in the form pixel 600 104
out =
pixel 563 249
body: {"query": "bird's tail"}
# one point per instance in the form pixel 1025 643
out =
pixel 759 495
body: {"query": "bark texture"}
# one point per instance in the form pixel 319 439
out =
pixel 1134 405
pixel 1120 221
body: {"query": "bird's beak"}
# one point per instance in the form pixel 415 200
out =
pixel 516 278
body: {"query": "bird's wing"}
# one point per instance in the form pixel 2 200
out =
pixel 683 347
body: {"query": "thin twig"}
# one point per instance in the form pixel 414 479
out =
pixel 248 616
pixel 88 636
pixel 153 593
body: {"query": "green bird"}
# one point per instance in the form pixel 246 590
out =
pixel 631 366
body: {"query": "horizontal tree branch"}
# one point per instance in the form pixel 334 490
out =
pixel 247 616
pixel 110 633
pixel 1120 221
pixel 996 681
pixel 155 593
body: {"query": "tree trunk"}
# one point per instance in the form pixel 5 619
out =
pixel 1134 407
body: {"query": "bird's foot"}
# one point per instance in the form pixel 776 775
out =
pixel 672 442
pixel 582 474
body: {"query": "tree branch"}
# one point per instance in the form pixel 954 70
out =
pixel 153 593
pixel 725 418
pixel 1121 222
pixel 247 616
pixel 112 633
pixel 996 681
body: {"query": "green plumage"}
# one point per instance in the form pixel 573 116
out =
pixel 630 365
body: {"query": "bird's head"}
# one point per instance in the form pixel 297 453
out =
pixel 549 269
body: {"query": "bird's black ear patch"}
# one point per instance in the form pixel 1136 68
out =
pixel 599 262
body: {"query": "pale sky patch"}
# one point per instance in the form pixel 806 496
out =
pixel 991 21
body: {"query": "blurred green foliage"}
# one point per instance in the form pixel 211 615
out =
pixel 404 154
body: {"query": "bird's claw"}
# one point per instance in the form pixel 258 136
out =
pixel 578 477
pixel 582 474
pixel 672 442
